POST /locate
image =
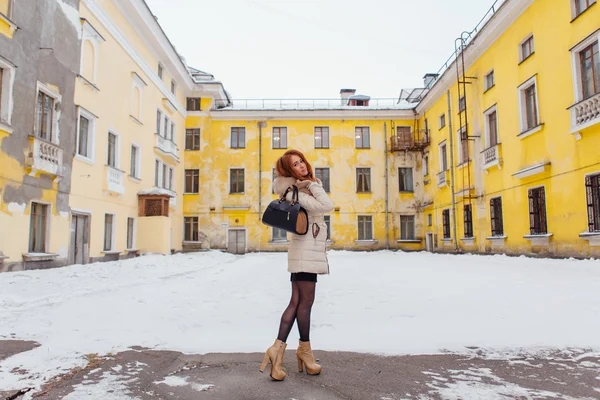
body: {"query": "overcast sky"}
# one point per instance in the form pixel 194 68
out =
pixel 313 48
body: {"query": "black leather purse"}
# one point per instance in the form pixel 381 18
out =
pixel 287 215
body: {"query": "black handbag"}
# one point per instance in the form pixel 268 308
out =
pixel 287 215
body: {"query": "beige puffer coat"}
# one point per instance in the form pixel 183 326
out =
pixel 305 252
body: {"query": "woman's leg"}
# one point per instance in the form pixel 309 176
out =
pixel 307 298
pixel 289 315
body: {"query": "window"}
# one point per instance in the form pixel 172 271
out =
pixel 362 137
pixel 273 181
pixel 528 104
pixel 496 216
pixel 171 178
pixel 135 161
pixel 407 227
pixel 130 233
pixel 592 189
pixel 442 121
pixel 91 40
pixel 491 127
pixel 6 72
pixel 462 104
pixel 323 175
pixel 280 138
pixel 446 223
pixel 38 224
pixel 327 219
pixel 192 180
pixel 111 159
pixel 468 220
pixel 192 139
pixel 158 121
pixel 238 138
pixel 365 227
pixel 426 164
pixel 404 135
pixel 429 220
pixel 443 158
pixel 172 136
pixel 537 211
pixel 44 116
pixel 236 180
pixel 166 128
pixel 580 6
pixel 193 104
pixel 86 127
pixel 191 229
pixel 363 180
pixel 157 173
pixel 405 179
pixel 526 48
pixel 136 97
pixel 589 60
pixel 161 71
pixel 173 86
pixel 165 177
pixel 279 235
pixel 463 150
pixel 108 231
pixel 489 81
pixel 321 137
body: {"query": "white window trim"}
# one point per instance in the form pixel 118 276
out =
pixel 273 137
pixel 92 35
pixel 134 241
pixel 160 71
pixel 138 161
pixel 55 136
pixel 172 179
pixel 523 110
pixel 231 133
pixel 117 148
pixel 229 181
pixel 443 144
pixel 91 159
pixel 440 126
pixel 137 82
pixel 485 81
pixel 48 222
pixel 486 126
pixel 112 237
pixel 577 86
pixel 6 108
pixel 521 58
pixel 372 231
pixel 574 9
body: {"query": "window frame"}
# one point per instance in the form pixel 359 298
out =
pixel 131 246
pixel 425 164
pixel 441 121
pixel 57 100
pixel 46 228
pixel 463 147
pixel 462 104
pixel 173 87
pixel 576 64
pixel 496 221
pixel 195 176
pixel 362 129
pixel 468 220
pixel 443 156
pixel 592 182
pixel 91 135
pixel 523 108
pixel 538 225
pixel 195 134
pixel 402 181
pixel 238 130
pixel 366 223
pixel 191 222
pixel 365 172
pixel 487 127
pixel 324 131
pixel 112 233
pixel 524 42
pixel 281 132
pixel 6 91
pixel 446 223
pixel 193 104
pixel 574 3
pixel 137 83
pixel 138 161
pixel 486 84
pixel 405 221
pixel 117 164
pixel 326 183
pixel 160 71
pixel 237 170
pixel 278 238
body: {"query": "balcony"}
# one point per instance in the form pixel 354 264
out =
pixel 114 180
pixel 490 157
pixel 44 157
pixel 585 113
pixel 416 141
pixel 442 178
pixel 167 147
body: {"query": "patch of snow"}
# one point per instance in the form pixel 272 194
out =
pixel 155 191
pixel 201 388
pixel 72 15
pixel 110 387
pixel 173 381
pixel 17 207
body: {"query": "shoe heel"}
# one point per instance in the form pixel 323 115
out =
pixel 300 365
pixel 264 364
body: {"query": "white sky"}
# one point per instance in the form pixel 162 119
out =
pixel 313 48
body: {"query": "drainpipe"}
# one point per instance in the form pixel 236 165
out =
pixel 451 134
pixel 387 232
pixel 261 124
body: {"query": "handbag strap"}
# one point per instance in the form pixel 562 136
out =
pixel 295 194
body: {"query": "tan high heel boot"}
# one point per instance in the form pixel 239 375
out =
pixel 274 355
pixel 305 356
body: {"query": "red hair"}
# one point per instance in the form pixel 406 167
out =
pixel 283 166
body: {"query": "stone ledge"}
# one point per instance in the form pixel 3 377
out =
pixel 39 256
pixel 539 240
pixel 593 238
pixel 366 242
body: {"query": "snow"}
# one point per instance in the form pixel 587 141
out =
pixel 377 302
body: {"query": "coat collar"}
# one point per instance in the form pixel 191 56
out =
pixel 281 183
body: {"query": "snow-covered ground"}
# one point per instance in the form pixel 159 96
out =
pixel 381 302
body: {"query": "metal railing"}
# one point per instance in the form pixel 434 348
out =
pixel 310 104
pixel 416 140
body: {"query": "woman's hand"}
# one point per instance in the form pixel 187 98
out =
pixel 303 184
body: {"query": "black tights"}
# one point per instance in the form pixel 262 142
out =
pixel 303 297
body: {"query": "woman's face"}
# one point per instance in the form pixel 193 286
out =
pixel 299 166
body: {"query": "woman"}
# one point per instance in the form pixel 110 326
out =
pixel 307 257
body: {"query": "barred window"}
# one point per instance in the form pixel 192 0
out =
pixel 468 219
pixel 446 221
pixel 537 211
pixel 592 188
pixel 496 216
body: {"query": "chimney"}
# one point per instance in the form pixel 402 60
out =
pixel 345 95
pixel 429 80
